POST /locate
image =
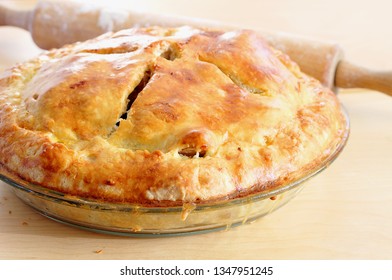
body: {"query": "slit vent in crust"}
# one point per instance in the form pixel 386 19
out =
pixel 134 94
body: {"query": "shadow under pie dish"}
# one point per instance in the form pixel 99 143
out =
pixel 164 130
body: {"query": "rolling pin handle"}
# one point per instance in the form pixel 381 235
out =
pixel 349 75
pixel 17 18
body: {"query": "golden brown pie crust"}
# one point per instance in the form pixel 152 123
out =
pixel 163 116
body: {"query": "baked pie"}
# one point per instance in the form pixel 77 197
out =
pixel 165 116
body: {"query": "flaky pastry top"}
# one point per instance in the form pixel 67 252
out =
pixel 163 116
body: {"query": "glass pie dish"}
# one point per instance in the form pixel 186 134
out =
pixel 135 220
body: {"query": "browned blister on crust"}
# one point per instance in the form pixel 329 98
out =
pixel 161 116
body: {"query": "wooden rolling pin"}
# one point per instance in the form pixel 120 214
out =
pixel 54 24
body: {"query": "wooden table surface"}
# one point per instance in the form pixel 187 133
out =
pixel 344 213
